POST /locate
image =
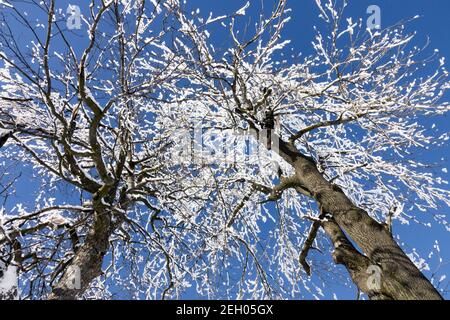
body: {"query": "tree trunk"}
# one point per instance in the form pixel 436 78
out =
pixel 86 265
pixel 399 277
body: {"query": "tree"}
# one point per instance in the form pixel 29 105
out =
pixel 131 121
pixel 88 142
pixel 8 272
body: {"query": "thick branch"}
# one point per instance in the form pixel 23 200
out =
pixel 308 244
pixel 401 278
pixel 357 264
pixel 322 124
pixel 86 265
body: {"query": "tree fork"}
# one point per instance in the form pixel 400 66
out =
pixel 86 265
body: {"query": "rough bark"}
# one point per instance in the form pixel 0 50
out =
pixel 400 278
pixel 357 264
pixel 86 265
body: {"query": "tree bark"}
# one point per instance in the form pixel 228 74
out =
pixel 8 285
pixel 400 278
pixel 86 265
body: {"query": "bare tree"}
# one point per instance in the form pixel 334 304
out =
pixel 75 115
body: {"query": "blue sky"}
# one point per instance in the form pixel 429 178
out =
pixel 433 22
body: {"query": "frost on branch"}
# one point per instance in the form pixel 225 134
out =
pixel 106 131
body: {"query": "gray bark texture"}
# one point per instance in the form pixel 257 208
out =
pixel 400 279
pixel 86 265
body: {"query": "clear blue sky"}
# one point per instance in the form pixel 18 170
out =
pixel 434 22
